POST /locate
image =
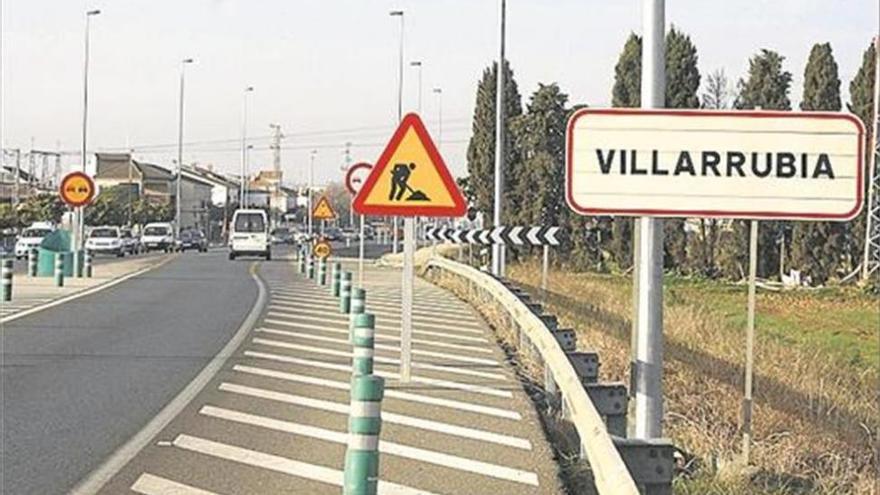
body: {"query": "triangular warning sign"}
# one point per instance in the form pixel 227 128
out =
pixel 323 210
pixel 410 179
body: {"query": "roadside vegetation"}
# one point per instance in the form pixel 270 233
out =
pixel 816 417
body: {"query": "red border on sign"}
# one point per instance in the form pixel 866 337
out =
pixel 323 200
pixel 73 175
pixel 349 175
pixel 715 213
pixel 459 207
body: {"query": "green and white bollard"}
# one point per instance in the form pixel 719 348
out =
pixel 345 293
pixel 364 425
pixel 59 269
pixel 301 258
pixel 336 278
pixel 358 301
pixel 322 271
pixel 33 256
pixel 6 276
pixel 310 263
pixel 362 337
pixel 87 263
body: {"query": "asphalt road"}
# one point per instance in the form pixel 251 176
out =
pixel 79 380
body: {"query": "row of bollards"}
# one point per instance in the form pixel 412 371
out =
pixel 365 422
pixel 6 271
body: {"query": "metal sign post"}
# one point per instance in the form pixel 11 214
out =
pixel 545 268
pixel 406 299
pixel 361 256
pixel 750 343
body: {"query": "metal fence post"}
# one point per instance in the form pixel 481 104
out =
pixel 59 269
pixel 6 275
pixel 364 425
pixel 345 293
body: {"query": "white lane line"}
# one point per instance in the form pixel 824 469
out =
pixel 385 447
pixel 344 320
pixel 380 336
pixel 452 330
pixel 148 484
pixel 125 453
pixel 323 309
pixel 419 303
pixel 396 362
pixel 280 464
pixel 400 419
pixel 466 387
pixel 396 394
pixel 441 355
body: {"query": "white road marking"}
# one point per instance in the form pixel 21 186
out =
pixel 148 484
pixel 281 464
pixel 422 352
pixel 390 448
pixel 396 394
pixel 379 336
pixel 478 389
pixel 391 361
pixel 423 424
pixel 422 304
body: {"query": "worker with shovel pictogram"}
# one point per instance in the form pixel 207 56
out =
pixel 400 175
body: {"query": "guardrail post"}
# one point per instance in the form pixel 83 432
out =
pixel 322 271
pixel 6 275
pixel 345 293
pixel 364 425
pixel 59 269
pixel 363 334
pixel 337 279
pixel 33 256
pixel 650 462
pixel 87 262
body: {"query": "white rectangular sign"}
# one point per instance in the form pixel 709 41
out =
pixel 728 164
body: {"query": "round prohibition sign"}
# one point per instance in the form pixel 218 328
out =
pixel 356 176
pixel 322 249
pixel 77 189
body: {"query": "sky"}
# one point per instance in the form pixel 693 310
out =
pixel 326 70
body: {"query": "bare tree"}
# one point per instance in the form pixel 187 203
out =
pixel 718 91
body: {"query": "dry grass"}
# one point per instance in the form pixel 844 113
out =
pixel 816 419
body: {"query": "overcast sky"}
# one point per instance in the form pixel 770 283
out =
pixel 326 70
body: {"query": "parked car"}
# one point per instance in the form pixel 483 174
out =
pixel 130 242
pixel 249 234
pixel 333 234
pixel 282 235
pixel 31 238
pixel 106 240
pixel 158 236
pixel 193 239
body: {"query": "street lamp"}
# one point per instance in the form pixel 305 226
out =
pixel 311 181
pixel 247 173
pixel 417 63
pixel 398 13
pixel 439 93
pixel 498 249
pixel 78 218
pixel 178 218
pixel 243 190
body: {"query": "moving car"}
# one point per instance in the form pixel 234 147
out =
pixel 249 234
pixel 158 236
pixel 193 239
pixel 31 238
pixel 106 240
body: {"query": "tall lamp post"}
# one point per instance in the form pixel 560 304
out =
pixel 79 220
pixel 498 249
pixel 243 190
pixel 418 64
pixel 439 93
pixel 178 218
pixel 398 13
pixel 311 184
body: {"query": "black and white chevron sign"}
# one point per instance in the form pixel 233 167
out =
pixel 516 236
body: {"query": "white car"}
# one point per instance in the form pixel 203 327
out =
pixel 158 236
pixel 249 234
pixel 106 240
pixel 30 239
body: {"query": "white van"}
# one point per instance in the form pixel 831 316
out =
pixel 158 236
pixel 249 234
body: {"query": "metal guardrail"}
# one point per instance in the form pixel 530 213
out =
pixel 610 473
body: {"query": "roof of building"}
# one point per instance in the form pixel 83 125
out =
pixel 122 165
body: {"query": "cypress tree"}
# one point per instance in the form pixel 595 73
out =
pixel 817 247
pixel 861 91
pixel 481 148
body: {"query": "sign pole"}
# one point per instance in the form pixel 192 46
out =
pixel 545 268
pixel 406 300
pixel 649 355
pixel 750 343
pixel 361 256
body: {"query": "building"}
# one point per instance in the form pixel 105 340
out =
pixel 267 191
pixel 222 199
pixel 155 183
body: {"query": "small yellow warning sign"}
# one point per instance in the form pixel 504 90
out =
pixel 323 210
pixel 410 178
